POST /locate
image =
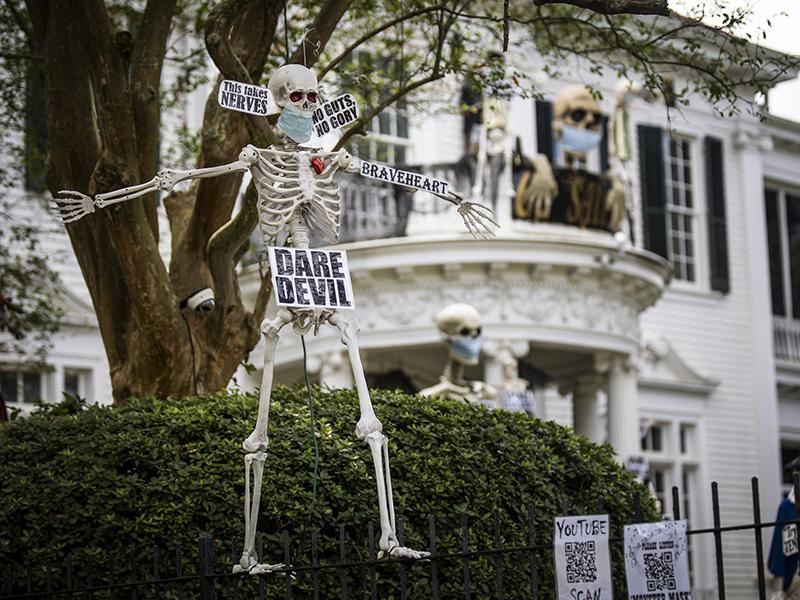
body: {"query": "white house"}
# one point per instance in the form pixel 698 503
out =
pixel 681 344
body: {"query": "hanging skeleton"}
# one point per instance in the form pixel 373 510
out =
pixel 297 193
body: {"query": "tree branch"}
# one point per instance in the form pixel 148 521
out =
pixel 146 65
pixel 321 30
pixel 616 7
pixel 371 34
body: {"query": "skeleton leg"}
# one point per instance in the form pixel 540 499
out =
pixel 369 428
pixel 255 447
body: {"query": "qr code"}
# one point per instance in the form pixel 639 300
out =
pixel 581 562
pixel 659 570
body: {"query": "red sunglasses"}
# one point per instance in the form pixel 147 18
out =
pixel 297 96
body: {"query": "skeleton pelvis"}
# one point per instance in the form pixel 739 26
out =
pixel 306 319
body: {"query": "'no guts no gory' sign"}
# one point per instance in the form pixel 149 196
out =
pixel 311 278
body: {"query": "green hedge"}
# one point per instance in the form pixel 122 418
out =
pixel 108 482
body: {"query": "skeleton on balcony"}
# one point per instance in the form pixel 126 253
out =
pixel 297 194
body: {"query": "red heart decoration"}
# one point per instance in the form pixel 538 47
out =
pixel 317 164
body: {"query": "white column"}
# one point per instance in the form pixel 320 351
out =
pixel 335 371
pixel 56 384
pixel 623 408
pixel 749 169
pixel 501 362
pixel 585 416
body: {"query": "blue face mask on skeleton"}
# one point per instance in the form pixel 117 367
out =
pixel 466 348
pixel 296 123
pixel 574 139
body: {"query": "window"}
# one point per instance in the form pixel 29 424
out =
pixel 387 137
pixel 20 386
pixel 783 240
pixel 683 221
pixel 652 441
pixel 680 207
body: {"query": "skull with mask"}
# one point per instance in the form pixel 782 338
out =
pixel 460 327
pixel 578 122
pixel 294 88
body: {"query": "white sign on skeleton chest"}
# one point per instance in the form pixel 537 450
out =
pixel 305 278
pixel 337 113
pixel 246 98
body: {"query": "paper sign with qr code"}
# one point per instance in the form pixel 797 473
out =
pixel 789 538
pixel 657 561
pixel 583 566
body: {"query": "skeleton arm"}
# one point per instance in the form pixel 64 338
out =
pixel 477 217
pixel 74 205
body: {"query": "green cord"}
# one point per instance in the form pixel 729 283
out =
pixel 313 431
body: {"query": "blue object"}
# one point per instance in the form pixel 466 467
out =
pixel 467 348
pixel 779 564
pixel 574 139
pixel 296 123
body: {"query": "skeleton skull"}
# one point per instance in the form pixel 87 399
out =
pixel 460 325
pixel 296 86
pixel 578 120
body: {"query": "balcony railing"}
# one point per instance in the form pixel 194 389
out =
pixel 786 333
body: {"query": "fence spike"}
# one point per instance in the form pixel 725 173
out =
pixel 676 503
pixel 206 567
pixel 403 568
pixel 434 560
pixel 718 541
pixel 498 556
pixel 465 548
pixel 314 563
pixel 532 547
pixel 372 558
pixel 342 561
pixel 762 586
pixel 287 562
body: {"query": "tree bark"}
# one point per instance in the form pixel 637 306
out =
pixel 617 7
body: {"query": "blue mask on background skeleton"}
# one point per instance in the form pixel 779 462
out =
pixel 466 348
pixel 574 139
pixel 296 123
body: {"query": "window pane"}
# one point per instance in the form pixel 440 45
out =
pixel 793 229
pixel 71 383
pixel 775 253
pixel 8 386
pixel 31 387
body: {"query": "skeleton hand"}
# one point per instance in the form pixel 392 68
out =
pixel 72 205
pixel 476 216
pixel 541 190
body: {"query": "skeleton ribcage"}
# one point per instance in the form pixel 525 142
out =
pixel 287 184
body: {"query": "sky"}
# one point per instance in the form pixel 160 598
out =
pixel 784 35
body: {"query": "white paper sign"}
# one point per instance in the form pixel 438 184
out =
pixel 789 539
pixel 311 278
pixel 656 561
pixel 406 178
pixel 519 401
pixel 337 113
pixel 583 566
pixel 246 98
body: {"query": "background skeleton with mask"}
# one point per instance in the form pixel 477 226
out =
pixel 577 126
pixel 460 326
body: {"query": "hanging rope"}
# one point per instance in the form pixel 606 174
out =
pixel 286 29
pixel 313 431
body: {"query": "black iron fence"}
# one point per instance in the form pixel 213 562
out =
pixel 495 570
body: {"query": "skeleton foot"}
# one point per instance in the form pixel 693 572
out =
pixel 251 566
pixel 401 552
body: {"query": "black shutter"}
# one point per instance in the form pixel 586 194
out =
pixel 544 129
pixel 604 148
pixel 651 161
pixel 717 229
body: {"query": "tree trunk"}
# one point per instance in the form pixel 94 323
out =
pixel 103 132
